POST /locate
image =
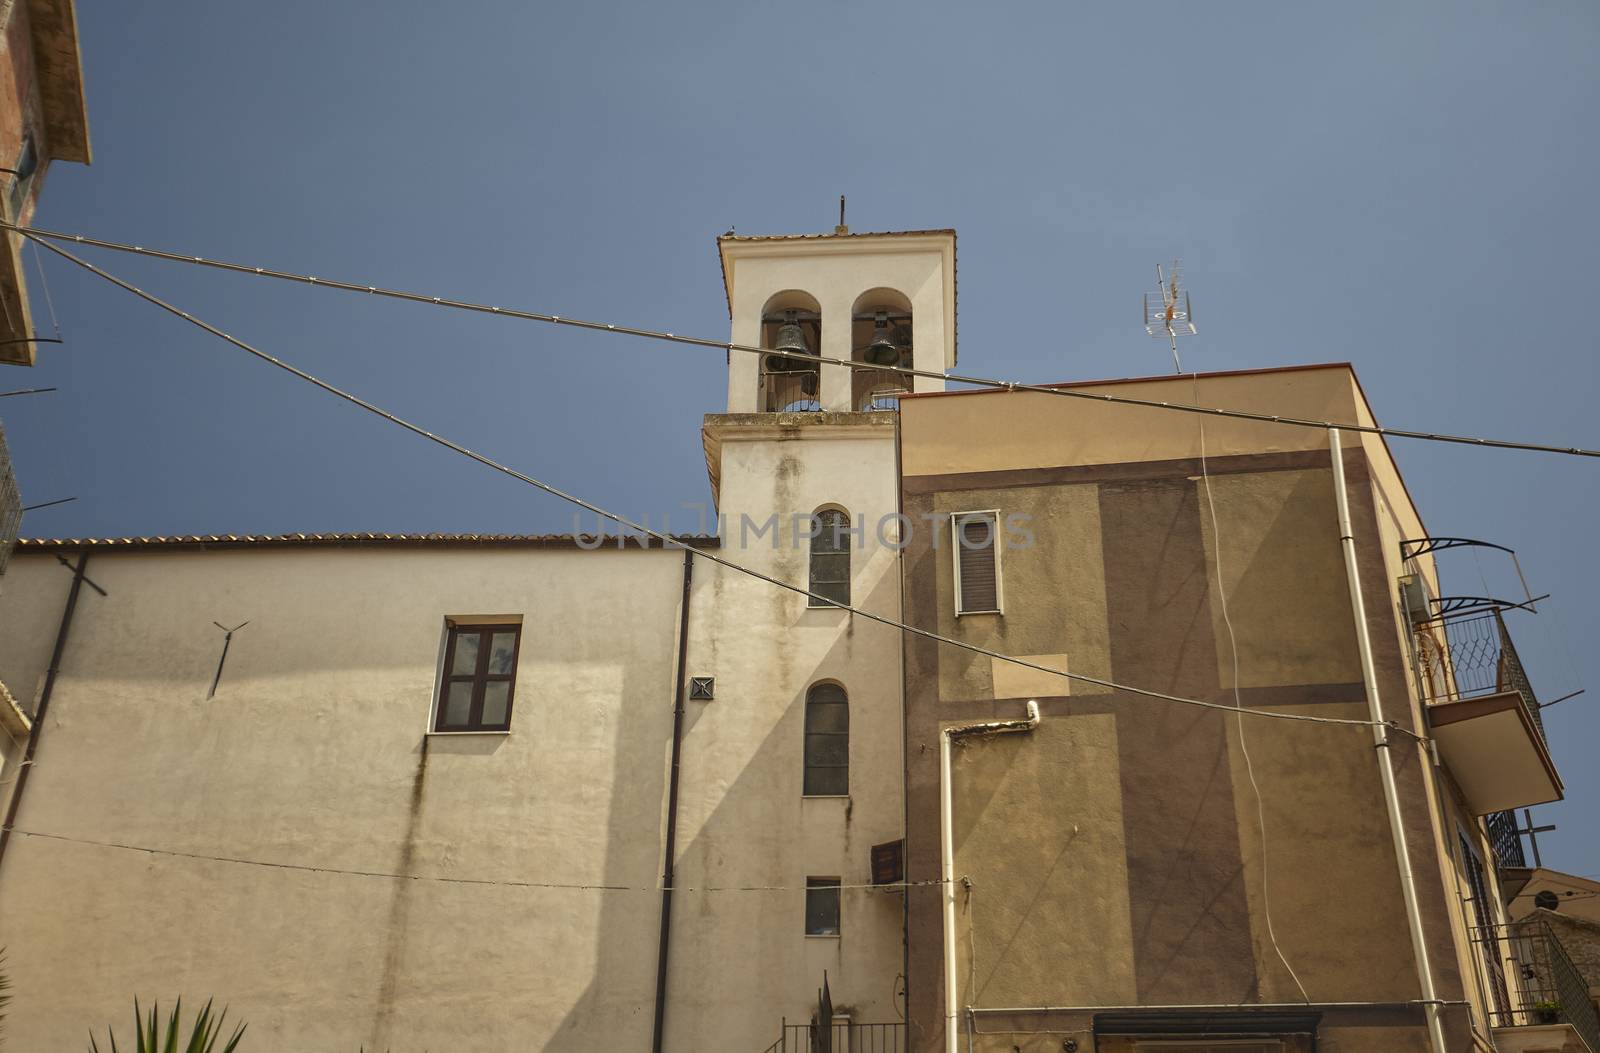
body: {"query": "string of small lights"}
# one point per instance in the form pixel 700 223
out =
pixel 668 541
pixel 37 234
pixel 443 879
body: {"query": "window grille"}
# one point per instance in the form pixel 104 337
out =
pixel 827 749
pixel 830 559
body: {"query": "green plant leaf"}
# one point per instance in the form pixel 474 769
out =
pixel 152 1037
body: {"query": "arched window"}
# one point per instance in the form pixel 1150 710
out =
pixel 827 741
pixel 830 559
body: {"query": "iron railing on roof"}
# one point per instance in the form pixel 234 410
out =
pixel 847 1038
pixel 1549 987
pixel 10 505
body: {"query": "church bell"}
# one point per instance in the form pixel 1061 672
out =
pixel 791 338
pixel 882 350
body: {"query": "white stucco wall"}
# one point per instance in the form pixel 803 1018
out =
pixel 744 820
pixel 314 753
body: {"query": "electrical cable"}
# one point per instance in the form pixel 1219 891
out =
pixel 1238 702
pixel 308 868
pixel 651 334
pixel 669 541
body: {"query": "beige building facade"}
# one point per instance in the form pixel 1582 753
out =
pixel 599 792
pixel 43 118
pixel 281 772
pixel 1127 872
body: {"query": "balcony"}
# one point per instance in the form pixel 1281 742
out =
pixel 1483 714
pixel 1547 1005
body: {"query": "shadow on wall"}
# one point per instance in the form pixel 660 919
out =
pixel 729 982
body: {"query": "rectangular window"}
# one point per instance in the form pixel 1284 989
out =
pixel 822 906
pixel 480 671
pixel 975 551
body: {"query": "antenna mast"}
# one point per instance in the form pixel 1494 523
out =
pixel 1167 311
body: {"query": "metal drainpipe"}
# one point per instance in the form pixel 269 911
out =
pixel 658 1036
pixel 1380 736
pixel 947 855
pixel 44 701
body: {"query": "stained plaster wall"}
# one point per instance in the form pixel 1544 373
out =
pixel 1179 917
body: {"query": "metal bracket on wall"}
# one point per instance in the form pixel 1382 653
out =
pixel 1411 548
pixel 226 640
pixel 1455 606
pixel 65 562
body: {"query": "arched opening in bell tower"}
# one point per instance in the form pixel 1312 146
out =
pixel 880 336
pixel 791 322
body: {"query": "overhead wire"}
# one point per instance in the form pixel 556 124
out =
pixel 37 234
pixel 1238 702
pixel 668 541
pixel 441 878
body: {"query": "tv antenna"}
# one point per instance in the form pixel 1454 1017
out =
pixel 1167 311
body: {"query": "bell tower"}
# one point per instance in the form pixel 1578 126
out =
pixel 796 778
pixel 883 299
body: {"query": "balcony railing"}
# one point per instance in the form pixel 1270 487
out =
pixel 790 392
pixel 10 505
pixel 1483 661
pixel 878 389
pixel 1473 657
pixel 1505 839
pixel 847 1038
pixel 1548 988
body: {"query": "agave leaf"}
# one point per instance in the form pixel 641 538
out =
pixel 171 1044
pixel 151 1037
pixel 198 1036
pixel 233 1043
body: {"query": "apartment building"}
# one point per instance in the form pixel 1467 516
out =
pixel 1127 872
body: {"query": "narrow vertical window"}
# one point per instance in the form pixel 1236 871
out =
pixel 827 742
pixel 822 906
pixel 975 546
pixel 480 669
pixel 830 559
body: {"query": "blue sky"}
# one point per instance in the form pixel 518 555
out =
pixel 1406 187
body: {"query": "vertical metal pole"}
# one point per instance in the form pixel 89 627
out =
pixel 44 701
pixel 667 871
pixel 1385 750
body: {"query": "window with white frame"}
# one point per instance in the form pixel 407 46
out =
pixel 975 555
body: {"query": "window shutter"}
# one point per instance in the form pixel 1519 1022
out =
pixel 977 562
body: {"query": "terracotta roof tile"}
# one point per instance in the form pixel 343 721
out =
pixel 356 539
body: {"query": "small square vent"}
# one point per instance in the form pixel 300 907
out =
pixel 702 688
